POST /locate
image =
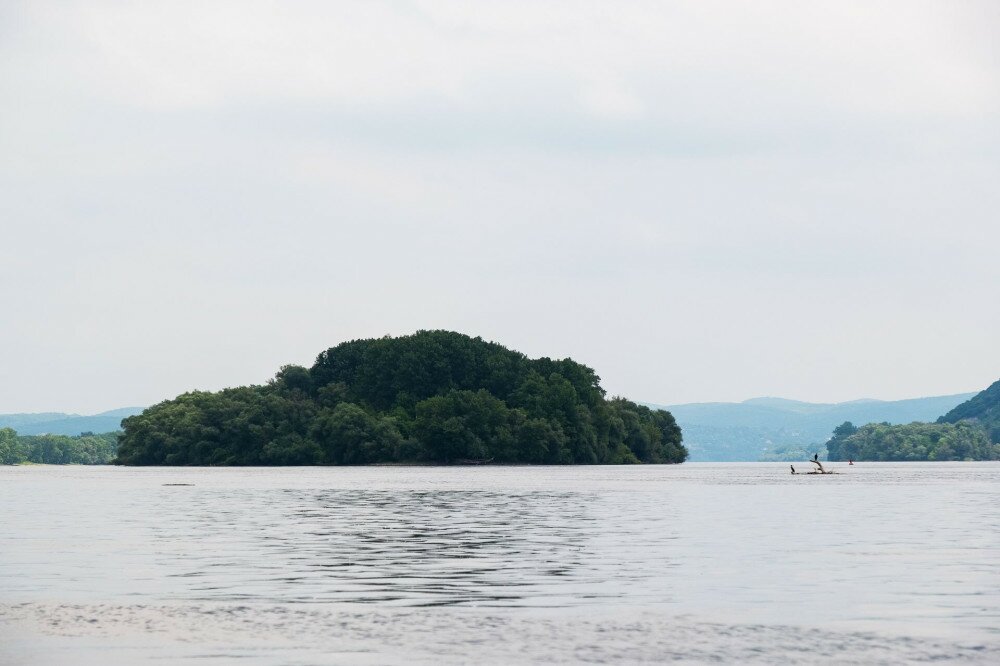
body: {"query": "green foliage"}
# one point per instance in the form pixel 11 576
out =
pixel 84 449
pixel 434 396
pixel 12 451
pixel 915 441
pixel 255 425
pixel 348 435
pixel 844 430
pixel 970 431
pixel 983 408
pixel 463 425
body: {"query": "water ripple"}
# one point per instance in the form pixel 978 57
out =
pixel 707 562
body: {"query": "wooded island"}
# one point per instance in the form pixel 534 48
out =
pixel 434 397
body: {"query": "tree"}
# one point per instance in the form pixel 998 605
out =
pixel 11 450
pixel 348 435
pixel 914 441
pixel 434 395
pixel 464 425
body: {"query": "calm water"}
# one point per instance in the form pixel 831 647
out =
pixel 699 562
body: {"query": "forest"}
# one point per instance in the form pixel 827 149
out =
pixel 84 449
pixel 982 409
pixel 970 431
pixel 913 441
pixel 432 397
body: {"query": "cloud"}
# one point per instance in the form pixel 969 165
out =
pixel 667 191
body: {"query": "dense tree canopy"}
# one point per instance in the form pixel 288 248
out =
pixel 915 441
pixel 970 431
pixel 84 449
pixel 434 396
pixel 983 408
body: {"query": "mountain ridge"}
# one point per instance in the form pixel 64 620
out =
pixel 757 428
pixel 60 423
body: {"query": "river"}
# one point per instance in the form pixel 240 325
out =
pixel 701 562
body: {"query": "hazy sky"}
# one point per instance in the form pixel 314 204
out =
pixel 702 200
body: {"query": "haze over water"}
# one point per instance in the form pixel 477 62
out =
pixel 739 562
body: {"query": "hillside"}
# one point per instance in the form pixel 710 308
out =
pixel 965 440
pixel 983 408
pixel 776 428
pixel 56 423
pixel 434 396
pixel 969 431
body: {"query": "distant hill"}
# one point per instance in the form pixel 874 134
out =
pixel 57 423
pixel 19 421
pixel 982 408
pixel 773 428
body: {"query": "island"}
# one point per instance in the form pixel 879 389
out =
pixel 970 431
pixel 437 397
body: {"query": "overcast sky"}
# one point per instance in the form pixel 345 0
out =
pixel 702 200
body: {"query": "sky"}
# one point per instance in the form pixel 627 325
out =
pixel 704 201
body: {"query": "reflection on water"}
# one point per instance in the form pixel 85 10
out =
pixel 525 564
pixel 413 548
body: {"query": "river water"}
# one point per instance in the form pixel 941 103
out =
pixel 701 562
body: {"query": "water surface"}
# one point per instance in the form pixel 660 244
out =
pixel 697 562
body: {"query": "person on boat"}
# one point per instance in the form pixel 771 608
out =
pixel 793 468
pixel 850 461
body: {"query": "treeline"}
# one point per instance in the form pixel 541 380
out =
pixel 982 409
pixel 84 449
pixel 914 441
pixel 970 431
pixel 434 396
